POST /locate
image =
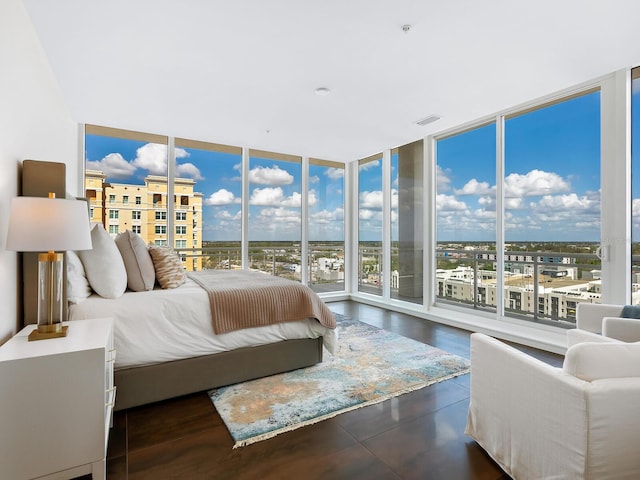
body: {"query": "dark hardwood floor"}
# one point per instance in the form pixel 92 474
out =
pixel 417 435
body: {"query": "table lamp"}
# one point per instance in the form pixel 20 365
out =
pixel 39 224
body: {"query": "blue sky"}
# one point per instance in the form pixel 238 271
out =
pixel 552 177
pixel 275 186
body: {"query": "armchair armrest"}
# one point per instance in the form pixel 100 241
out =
pixel 520 405
pixel 625 329
pixel 589 315
pixel 592 361
pixel 575 336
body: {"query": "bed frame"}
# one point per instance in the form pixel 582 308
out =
pixel 146 384
pixel 141 385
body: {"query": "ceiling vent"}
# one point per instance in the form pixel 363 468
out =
pixel 428 120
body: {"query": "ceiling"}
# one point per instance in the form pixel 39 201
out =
pixel 245 72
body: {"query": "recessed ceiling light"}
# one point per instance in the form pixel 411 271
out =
pixel 322 91
pixel 427 120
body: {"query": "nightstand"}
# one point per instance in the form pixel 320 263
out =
pixel 57 398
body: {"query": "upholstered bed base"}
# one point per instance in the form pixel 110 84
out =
pixel 141 385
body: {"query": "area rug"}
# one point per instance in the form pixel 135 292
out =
pixel 371 365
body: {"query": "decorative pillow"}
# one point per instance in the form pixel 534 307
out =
pixel 169 270
pixel 104 265
pixel 78 288
pixel 137 261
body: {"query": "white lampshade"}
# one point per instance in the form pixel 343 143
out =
pixel 39 224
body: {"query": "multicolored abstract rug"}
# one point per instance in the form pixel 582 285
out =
pixel 371 365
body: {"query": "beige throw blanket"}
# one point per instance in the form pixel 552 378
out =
pixel 244 299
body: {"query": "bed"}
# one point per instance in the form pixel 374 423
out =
pixel 166 344
pixel 178 333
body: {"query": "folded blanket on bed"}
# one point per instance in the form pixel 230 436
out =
pixel 243 299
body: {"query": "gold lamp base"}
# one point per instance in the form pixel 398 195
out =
pixel 44 332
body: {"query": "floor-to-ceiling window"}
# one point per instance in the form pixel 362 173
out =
pixel 326 262
pixel 126 182
pixel 370 204
pixel 191 198
pixel 208 204
pixel 466 218
pixel 552 208
pixel 550 215
pixel 407 222
pixel 275 227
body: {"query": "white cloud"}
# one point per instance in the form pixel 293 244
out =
pixel 474 187
pixel 295 200
pixel 371 199
pixel 113 165
pixel 513 203
pixel 449 202
pixel 443 182
pixel 270 176
pixel 565 202
pixel 635 207
pixel 279 215
pixel 487 202
pixel 535 182
pixel 482 213
pixel 366 166
pixel 326 216
pixel 314 179
pixel 374 199
pixel 366 214
pixel 312 199
pixel 188 170
pixel 221 197
pixel 334 173
pixel 274 197
pixel 153 157
pixel 226 215
pixel 266 196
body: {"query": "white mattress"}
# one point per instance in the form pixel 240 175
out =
pixel 164 325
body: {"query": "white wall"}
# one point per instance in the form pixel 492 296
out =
pixel 34 124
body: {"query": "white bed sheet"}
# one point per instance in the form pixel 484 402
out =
pixel 164 325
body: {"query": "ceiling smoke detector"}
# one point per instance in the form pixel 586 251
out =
pixel 406 28
pixel 427 120
pixel 322 91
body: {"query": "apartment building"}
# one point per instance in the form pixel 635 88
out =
pixel 143 210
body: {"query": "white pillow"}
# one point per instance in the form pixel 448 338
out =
pixel 103 264
pixel 78 288
pixel 137 261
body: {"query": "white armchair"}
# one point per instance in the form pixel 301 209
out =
pixel 603 319
pixel 581 421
